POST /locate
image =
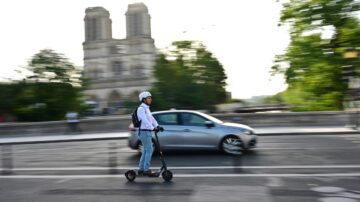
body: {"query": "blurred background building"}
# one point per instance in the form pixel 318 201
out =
pixel 117 69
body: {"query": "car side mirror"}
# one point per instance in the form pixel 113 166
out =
pixel 209 124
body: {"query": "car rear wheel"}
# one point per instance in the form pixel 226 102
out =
pixel 231 145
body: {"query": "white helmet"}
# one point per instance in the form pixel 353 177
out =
pixel 144 94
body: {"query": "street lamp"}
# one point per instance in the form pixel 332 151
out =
pixel 353 89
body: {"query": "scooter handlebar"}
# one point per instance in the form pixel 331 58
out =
pixel 159 128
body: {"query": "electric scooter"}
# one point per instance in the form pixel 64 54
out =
pixel 163 171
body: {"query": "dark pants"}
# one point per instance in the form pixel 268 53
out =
pixel 73 127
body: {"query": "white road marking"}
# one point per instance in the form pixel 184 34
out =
pixel 270 167
pixel 181 176
pixel 271 175
pixel 62 180
pixel 274 182
pixel 304 148
pixel 336 199
pixel 348 166
pixel 352 138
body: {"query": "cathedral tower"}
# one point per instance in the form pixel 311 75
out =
pixel 97 24
pixel 138 21
pixel 118 69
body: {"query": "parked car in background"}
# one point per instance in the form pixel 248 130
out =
pixel 193 130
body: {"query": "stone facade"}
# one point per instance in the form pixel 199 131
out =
pixel 118 69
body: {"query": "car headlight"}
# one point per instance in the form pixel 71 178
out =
pixel 247 132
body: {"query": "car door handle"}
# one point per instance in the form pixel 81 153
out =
pixel 186 130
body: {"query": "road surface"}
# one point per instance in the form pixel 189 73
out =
pixel 282 169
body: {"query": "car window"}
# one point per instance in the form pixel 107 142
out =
pixel 166 119
pixel 192 119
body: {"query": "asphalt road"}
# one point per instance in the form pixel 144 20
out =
pixel 323 168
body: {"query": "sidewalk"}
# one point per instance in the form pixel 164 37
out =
pixel 305 130
pixel 91 136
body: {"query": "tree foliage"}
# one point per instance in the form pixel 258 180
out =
pixel 188 77
pixel 49 66
pixel 48 94
pixel 39 101
pixel 313 63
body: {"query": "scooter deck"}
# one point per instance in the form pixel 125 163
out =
pixel 157 174
pixel 165 174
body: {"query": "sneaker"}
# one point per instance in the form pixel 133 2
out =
pixel 140 172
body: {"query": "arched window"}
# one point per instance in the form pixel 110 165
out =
pixel 116 67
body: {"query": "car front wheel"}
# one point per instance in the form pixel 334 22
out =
pixel 231 145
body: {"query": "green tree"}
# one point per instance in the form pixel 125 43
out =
pixel 312 63
pixel 188 76
pixel 44 101
pixel 54 88
pixel 49 66
pixel 8 94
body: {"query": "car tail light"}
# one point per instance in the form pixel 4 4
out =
pixel 132 128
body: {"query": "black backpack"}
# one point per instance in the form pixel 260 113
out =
pixel 135 120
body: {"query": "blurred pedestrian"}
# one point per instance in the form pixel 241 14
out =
pixel 352 115
pixel 147 125
pixel 72 122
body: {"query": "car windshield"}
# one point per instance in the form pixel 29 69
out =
pixel 211 118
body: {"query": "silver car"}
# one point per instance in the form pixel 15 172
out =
pixel 189 130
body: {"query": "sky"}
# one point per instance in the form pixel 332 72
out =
pixel 242 35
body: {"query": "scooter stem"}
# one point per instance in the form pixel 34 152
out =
pixel 160 151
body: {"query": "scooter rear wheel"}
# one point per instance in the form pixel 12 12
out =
pixel 130 175
pixel 167 175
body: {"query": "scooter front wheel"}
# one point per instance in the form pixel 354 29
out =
pixel 167 175
pixel 130 175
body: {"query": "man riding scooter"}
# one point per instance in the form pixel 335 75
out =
pixel 148 124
